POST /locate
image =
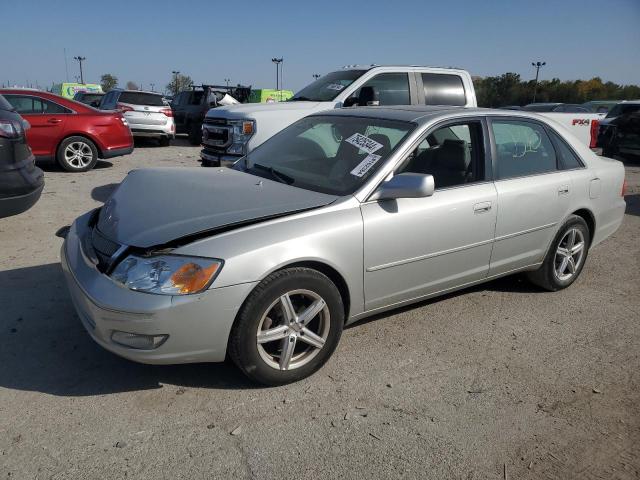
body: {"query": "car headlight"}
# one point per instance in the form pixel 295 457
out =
pixel 167 274
pixel 242 131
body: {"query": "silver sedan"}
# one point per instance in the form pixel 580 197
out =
pixel 340 216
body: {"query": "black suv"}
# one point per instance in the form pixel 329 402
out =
pixel 21 182
pixel 89 98
pixel 619 131
pixel 190 106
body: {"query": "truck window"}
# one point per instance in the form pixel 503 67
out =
pixel 443 89
pixel 392 88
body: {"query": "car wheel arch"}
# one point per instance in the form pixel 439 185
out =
pixel 326 269
pixel 589 218
pixel 81 134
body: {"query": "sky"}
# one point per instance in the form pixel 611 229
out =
pixel 143 41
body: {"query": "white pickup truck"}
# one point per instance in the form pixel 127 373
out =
pixel 229 133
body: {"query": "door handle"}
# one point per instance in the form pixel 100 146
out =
pixel 54 120
pixel 482 207
pixel 563 190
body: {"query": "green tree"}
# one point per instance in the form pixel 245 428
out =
pixel 108 81
pixel 178 83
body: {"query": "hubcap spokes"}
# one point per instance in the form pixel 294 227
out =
pixel 569 254
pixel 301 320
pixel 78 154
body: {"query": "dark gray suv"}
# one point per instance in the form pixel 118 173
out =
pixel 21 182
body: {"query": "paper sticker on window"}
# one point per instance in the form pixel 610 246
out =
pixel 334 86
pixel 364 143
pixel 365 165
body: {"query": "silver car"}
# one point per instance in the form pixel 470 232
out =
pixel 148 113
pixel 342 215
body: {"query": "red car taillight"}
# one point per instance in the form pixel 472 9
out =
pixel 595 124
pixel 124 108
pixel 167 111
pixel 624 188
pixel 10 129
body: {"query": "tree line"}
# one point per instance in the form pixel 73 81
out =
pixel 510 89
pixel 178 83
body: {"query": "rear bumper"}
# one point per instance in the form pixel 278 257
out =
pixel 117 152
pixel 21 203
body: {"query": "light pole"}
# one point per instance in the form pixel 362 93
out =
pixel 316 75
pixel 152 85
pixel 537 66
pixel 80 60
pixel 175 81
pixel 277 61
pixel 227 80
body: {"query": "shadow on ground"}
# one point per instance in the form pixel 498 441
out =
pixel 55 167
pixel 633 204
pixel 145 142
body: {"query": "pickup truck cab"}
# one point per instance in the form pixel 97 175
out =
pixel 229 133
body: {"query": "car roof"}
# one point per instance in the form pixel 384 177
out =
pixel 422 114
pixel 136 91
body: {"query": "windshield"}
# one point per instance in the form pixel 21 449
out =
pixel 328 87
pixel 622 109
pixel 327 153
pixel 141 98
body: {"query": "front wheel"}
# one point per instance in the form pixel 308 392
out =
pixel 77 154
pixel 288 327
pixel 566 256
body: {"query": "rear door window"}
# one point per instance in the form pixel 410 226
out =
pixel 392 88
pixel 566 156
pixel 443 89
pixel 141 98
pixel 523 149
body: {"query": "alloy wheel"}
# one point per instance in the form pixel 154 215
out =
pixel 569 254
pixel 293 329
pixel 78 154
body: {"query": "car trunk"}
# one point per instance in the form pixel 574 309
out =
pixel 145 108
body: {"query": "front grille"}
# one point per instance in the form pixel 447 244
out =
pixel 214 121
pixel 104 249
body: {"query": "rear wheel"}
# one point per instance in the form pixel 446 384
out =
pixel 566 257
pixel 77 154
pixel 288 327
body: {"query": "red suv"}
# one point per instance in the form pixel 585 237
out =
pixel 73 134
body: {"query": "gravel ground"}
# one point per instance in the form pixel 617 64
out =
pixel 498 381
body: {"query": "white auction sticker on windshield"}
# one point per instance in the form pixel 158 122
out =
pixel 365 165
pixel 334 86
pixel 364 143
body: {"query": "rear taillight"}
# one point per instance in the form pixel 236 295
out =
pixel 10 129
pixel 124 108
pixel 624 188
pixel 167 111
pixel 595 124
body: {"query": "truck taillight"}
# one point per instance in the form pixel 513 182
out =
pixel 124 108
pixel 167 111
pixel 595 124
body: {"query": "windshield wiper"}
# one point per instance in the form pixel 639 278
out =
pixel 279 176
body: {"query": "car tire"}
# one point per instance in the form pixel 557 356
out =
pixel 195 134
pixel 308 316
pixel 164 141
pixel 77 154
pixel 566 256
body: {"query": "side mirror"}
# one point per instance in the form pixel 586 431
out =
pixel 405 185
pixel 350 102
pixel 368 97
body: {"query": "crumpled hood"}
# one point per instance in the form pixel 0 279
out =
pixel 246 110
pixel 155 206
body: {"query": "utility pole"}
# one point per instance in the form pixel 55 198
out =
pixel 537 66
pixel 316 76
pixel 80 60
pixel 175 81
pixel 277 61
